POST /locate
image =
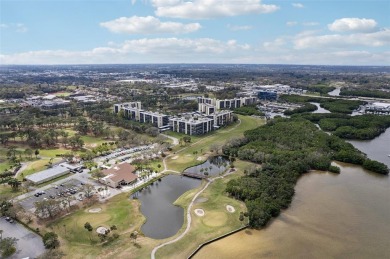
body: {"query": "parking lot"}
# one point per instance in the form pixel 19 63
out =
pixel 71 187
pixel 29 244
pixel 123 154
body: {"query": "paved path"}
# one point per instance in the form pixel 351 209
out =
pixel 189 219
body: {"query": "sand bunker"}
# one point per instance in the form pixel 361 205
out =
pixel 199 212
pixel 200 200
pixel 101 230
pixel 175 157
pixel 230 208
pixel 95 210
pixel 200 158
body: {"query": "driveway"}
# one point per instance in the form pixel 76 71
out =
pixel 29 244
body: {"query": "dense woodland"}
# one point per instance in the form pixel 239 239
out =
pixel 362 127
pixel 365 93
pixel 286 148
pixel 333 105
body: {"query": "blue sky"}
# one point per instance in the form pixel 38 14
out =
pixel 345 32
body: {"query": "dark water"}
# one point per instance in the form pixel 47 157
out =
pixel 320 109
pixel 377 149
pixel 163 219
pixel 214 166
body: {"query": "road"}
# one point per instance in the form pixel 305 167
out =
pixel 29 244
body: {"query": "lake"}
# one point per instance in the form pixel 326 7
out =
pixel 331 216
pixel 163 219
pixel 213 166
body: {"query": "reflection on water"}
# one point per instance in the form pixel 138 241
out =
pixel 163 219
pixel 377 149
pixel 213 166
pixel 335 92
pixel 331 216
pixel 320 109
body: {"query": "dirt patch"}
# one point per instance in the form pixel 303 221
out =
pixel 199 212
pixel 200 158
pixel 101 230
pixel 95 210
pixel 230 208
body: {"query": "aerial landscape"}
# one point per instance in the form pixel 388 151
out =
pixel 194 129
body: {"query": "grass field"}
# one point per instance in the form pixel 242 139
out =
pixel 77 242
pixel 216 221
pixel 186 157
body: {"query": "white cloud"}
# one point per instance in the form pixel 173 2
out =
pixel 17 27
pixel 148 25
pixel 157 50
pixel 353 25
pixel 205 9
pixel 310 23
pixel 298 5
pixel 375 39
pixel 239 27
pixel 291 23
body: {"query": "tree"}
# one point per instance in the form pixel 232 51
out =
pixel 52 254
pixel 7 246
pixel 241 218
pixel 88 190
pixel 28 152
pixel 88 227
pixel 98 174
pixel 134 236
pixel 36 153
pixel 15 183
pixel 50 240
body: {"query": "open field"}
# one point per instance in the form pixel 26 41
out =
pixel 36 166
pixel 186 157
pixel 77 242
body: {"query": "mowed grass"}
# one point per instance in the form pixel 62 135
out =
pixel 185 157
pixel 216 221
pixel 77 242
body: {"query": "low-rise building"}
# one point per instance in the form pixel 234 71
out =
pixel 121 174
pixel 48 174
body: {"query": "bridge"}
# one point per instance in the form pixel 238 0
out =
pixel 192 175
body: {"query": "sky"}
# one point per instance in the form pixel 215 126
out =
pixel 318 32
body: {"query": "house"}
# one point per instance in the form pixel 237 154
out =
pixel 121 174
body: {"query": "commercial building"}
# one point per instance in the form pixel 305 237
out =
pixel 122 174
pixel 48 174
pixel 267 95
pixel 192 124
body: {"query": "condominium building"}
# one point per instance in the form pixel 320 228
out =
pixel 204 104
pixel 192 124
pixel 221 118
pixel 133 111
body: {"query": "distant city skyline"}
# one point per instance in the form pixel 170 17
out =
pixel 345 32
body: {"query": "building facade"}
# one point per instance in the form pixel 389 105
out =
pixel 192 124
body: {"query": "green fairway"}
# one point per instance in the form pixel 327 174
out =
pixel 216 220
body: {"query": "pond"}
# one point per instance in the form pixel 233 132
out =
pixel 320 109
pixel 335 92
pixel 163 219
pixel 213 166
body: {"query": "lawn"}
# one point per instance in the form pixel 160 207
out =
pixel 216 221
pixel 4 166
pixel 185 157
pixel 77 242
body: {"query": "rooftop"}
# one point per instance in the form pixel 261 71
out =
pixel 48 173
pixel 121 172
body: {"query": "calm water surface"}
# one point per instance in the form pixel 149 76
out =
pixel 163 219
pixel 335 92
pixel 213 166
pixel 331 216
pixel 320 109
